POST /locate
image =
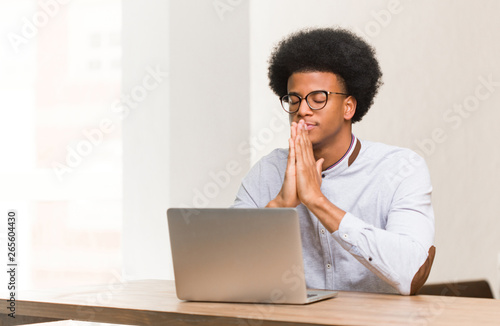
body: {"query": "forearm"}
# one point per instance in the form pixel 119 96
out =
pixel 328 214
pixel 402 260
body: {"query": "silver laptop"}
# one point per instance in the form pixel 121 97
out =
pixel 239 255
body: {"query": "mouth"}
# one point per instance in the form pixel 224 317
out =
pixel 310 126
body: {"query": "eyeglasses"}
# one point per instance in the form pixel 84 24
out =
pixel 316 100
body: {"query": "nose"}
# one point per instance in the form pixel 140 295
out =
pixel 304 109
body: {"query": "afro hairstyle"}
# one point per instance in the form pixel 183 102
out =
pixel 334 50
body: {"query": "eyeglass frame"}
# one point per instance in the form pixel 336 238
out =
pixel 305 98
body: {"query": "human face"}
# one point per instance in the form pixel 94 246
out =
pixel 332 123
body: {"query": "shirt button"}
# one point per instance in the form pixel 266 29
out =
pixel 346 236
pixel 328 266
pixel 323 175
pixel 322 231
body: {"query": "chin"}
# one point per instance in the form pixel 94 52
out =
pixel 315 144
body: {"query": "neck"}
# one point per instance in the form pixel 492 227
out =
pixel 333 152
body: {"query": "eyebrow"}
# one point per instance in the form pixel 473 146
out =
pixel 317 90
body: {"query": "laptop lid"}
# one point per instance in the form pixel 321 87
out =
pixel 237 255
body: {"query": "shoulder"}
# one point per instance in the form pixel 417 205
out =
pixel 388 154
pixel 269 165
pixel 263 181
pixel 275 158
pixel 392 162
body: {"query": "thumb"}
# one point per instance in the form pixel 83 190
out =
pixel 319 165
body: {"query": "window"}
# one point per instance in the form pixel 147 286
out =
pixel 59 75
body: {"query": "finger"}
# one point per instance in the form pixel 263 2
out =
pixel 297 133
pixel 309 151
pixel 303 148
pixel 290 171
pixel 298 150
pixel 293 130
pixel 300 131
pixel 300 127
pixel 303 154
pixel 304 159
pixel 319 165
pixel 305 135
pixel 291 151
pixel 306 145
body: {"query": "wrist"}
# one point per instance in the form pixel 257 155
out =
pixel 279 201
pixel 315 200
pixel 328 214
pixel 274 203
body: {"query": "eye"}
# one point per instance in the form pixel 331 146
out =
pixel 293 100
pixel 317 97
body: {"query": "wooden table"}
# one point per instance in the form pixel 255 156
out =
pixel 153 302
pixel 72 323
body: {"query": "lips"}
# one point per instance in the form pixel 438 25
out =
pixel 310 125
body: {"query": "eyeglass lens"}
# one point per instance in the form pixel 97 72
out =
pixel 315 100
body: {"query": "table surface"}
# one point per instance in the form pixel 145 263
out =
pixel 73 323
pixel 153 302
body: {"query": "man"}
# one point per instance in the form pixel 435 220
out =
pixel 365 210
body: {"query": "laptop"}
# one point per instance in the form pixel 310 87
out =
pixel 239 255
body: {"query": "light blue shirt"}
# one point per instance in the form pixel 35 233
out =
pixel 387 232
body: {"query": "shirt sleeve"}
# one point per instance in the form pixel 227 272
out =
pixel 244 198
pixel 403 252
pixel 262 183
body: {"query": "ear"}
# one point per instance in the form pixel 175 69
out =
pixel 349 107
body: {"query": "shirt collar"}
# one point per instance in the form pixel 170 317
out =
pixel 348 158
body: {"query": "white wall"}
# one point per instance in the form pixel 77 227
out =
pixel 181 141
pixel 209 104
pixel 146 138
pixel 433 55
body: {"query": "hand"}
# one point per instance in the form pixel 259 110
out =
pixel 287 197
pixel 308 170
pixel 303 181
